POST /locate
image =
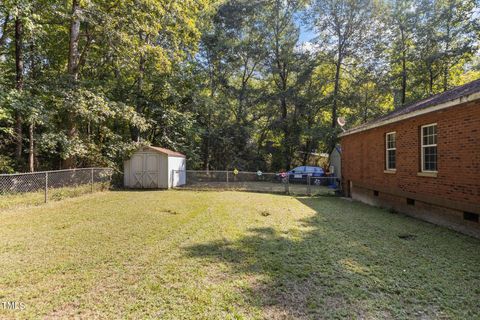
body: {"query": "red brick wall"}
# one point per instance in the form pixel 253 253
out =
pixel 458 147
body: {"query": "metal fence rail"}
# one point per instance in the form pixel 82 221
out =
pixel 56 182
pixel 258 182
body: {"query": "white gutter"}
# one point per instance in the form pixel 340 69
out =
pixel 444 105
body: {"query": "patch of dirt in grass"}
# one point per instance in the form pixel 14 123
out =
pixel 335 302
pixel 67 310
pixel 264 213
pixel 406 236
pixel 170 211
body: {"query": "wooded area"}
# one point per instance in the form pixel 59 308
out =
pixel 228 83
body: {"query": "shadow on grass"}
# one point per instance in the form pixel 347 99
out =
pixel 348 261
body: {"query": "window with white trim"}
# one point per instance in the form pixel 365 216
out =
pixel 429 147
pixel 391 151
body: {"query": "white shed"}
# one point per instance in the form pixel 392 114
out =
pixel 154 167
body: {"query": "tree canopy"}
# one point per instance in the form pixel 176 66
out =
pixel 228 83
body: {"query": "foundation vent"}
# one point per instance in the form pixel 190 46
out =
pixel 470 216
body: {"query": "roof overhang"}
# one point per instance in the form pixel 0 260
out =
pixel 438 107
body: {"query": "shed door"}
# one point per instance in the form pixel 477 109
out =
pixel 150 174
pixel 136 171
pixel 144 170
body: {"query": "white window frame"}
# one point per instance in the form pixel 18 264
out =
pixel 423 146
pixel 389 149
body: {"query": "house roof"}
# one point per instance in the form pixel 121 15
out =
pixel 450 98
pixel 167 151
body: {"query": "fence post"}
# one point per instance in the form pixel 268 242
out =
pixel 227 178
pixel 309 185
pixel 91 180
pixel 287 187
pixel 46 186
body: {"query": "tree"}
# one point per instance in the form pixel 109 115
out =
pixel 403 20
pixel 226 82
pixel 456 35
pixel 344 28
pixel 283 33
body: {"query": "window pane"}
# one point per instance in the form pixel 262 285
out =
pixel 391 161
pixel 430 158
pixel 391 140
pixel 429 135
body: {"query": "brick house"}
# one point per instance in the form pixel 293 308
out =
pixel 422 160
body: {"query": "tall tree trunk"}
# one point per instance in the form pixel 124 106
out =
pixel 404 69
pixel 206 149
pixel 309 141
pixel 135 132
pixel 19 69
pixel 446 76
pixel 73 50
pixel 336 90
pixel 207 135
pixel 207 138
pixel 31 127
pixel 241 97
pixel 446 68
pixel 283 75
pixel 404 80
pixel 430 83
pixel 282 86
pixel 285 125
pixel 18 137
pixel 31 149
pixel 73 60
pixel 365 106
pixel 305 155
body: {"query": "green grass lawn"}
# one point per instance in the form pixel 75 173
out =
pixel 27 199
pixel 231 255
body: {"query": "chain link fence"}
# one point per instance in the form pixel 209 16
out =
pixel 259 182
pixel 40 187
